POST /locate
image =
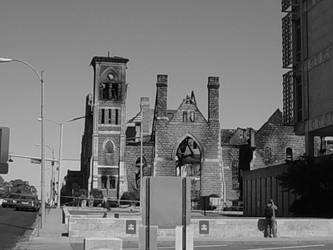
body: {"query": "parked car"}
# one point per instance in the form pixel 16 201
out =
pixel 28 202
pixel 11 200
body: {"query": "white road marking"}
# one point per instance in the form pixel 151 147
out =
pixel 204 246
pixel 290 247
pixel 268 248
pixel 172 247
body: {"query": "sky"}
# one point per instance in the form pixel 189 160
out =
pixel 189 40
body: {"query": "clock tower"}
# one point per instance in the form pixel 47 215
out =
pixel 109 124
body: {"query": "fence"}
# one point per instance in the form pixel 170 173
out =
pixel 261 185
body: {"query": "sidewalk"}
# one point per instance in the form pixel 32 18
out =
pixel 48 238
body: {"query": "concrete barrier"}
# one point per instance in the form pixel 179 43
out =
pixel 97 243
pixel 210 229
pixel 96 212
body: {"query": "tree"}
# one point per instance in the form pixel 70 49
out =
pixel 312 181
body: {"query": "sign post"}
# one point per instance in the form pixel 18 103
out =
pixel 166 204
pixel 203 227
pixel 130 226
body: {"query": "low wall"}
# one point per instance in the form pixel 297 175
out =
pixel 209 229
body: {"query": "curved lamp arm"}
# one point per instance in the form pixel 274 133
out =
pixel 6 60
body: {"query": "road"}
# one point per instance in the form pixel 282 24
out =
pixel 13 225
pixel 279 244
pixel 249 245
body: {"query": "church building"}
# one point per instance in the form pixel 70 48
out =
pixel 178 142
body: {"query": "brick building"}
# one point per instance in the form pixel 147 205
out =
pixel 276 143
pixel 178 142
pixel 246 149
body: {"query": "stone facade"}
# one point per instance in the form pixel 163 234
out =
pixel 246 149
pixel 174 142
pixel 188 122
pixel 182 141
pixel 276 143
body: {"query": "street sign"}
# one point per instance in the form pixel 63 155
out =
pixel 203 227
pixel 167 201
pixel 3 168
pixel 4 149
pixel 130 226
pixel 35 161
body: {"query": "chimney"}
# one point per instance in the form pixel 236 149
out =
pixel 161 95
pixel 252 141
pixel 213 98
pixel 144 106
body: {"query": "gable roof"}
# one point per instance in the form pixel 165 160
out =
pixel 276 118
pixel 137 118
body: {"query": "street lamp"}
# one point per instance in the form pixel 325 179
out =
pixel 52 173
pixel 42 171
pixel 141 162
pixel 61 128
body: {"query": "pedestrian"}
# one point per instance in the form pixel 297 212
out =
pixel 270 220
pixel 105 204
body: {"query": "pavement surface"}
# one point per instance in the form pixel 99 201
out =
pixel 14 225
pixel 53 237
pixel 50 237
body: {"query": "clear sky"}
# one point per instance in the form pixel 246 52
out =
pixel 237 40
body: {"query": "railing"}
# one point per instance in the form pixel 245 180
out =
pixel 211 209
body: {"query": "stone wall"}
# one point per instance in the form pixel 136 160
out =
pixel 216 229
pixel 171 131
pixel 169 134
pixel 132 154
pixel 272 141
pixel 230 155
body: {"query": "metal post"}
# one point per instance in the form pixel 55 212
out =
pixel 52 179
pixel 141 155
pixel 90 177
pixel 42 143
pixel 59 165
pixel 40 77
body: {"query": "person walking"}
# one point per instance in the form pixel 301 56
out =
pixel 106 205
pixel 270 220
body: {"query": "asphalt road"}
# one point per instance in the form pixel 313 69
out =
pixel 239 245
pixel 13 225
pixel 250 245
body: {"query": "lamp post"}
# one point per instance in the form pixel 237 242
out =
pixel 61 129
pixel 42 151
pixel 52 173
pixel 141 156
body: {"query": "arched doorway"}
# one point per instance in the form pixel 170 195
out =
pixel 145 171
pixel 188 164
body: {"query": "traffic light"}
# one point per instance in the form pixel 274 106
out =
pixel 4 149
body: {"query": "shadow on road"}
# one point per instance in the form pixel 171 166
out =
pixel 11 225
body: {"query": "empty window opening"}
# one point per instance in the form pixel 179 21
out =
pixel 289 154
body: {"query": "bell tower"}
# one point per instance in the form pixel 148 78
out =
pixel 109 124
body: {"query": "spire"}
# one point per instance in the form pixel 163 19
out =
pixel 190 100
pixel 193 101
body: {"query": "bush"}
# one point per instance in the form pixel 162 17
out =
pixel 311 179
pixel 97 195
pixel 128 198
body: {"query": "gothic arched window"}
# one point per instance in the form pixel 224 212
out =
pixel 138 170
pixel 109 153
